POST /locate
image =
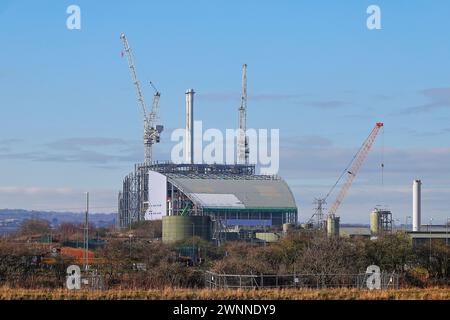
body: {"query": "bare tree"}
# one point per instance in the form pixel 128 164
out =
pixel 34 227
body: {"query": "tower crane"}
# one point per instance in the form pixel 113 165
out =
pixel 352 169
pixel 152 130
pixel 155 129
pixel 243 148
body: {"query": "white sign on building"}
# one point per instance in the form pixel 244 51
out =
pixel 157 196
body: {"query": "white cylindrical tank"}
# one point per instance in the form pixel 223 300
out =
pixel 189 138
pixel 416 204
pixel 333 226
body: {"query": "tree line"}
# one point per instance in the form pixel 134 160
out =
pixel 143 261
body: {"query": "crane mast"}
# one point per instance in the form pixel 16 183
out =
pixel 155 130
pixel 243 148
pixel 355 166
pixel 151 130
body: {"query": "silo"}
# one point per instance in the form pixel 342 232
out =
pixel 178 228
pixel 375 222
pixel 416 204
pixel 288 227
pixel 333 226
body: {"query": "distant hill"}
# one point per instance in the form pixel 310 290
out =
pixel 10 219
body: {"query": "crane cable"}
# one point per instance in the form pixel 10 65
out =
pixel 346 170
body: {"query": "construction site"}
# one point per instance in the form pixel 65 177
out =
pixel 216 202
pixel 221 202
pixel 217 157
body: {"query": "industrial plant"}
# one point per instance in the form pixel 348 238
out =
pixel 213 201
pixel 221 202
pixel 253 173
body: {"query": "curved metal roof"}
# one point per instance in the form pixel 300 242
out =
pixel 255 192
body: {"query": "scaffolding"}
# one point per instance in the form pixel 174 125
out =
pixel 133 199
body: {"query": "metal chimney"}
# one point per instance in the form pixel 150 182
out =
pixel 189 138
pixel 416 204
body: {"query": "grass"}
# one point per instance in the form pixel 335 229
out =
pixel 442 293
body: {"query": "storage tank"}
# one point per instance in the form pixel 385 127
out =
pixel 333 226
pixel 178 228
pixel 374 222
pixel 288 227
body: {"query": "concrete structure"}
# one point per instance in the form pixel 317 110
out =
pixel 416 216
pixel 189 138
pixel 333 226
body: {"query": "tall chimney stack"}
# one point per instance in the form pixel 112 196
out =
pixel 416 204
pixel 189 138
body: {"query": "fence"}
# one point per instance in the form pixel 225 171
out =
pixel 98 281
pixel 88 281
pixel 317 281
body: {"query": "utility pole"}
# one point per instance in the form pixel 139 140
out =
pixel 86 233
pixel 431 221
pixel 446 243
pixel 399 223
pixel 446 232
pixel 130 236
pixel 406 222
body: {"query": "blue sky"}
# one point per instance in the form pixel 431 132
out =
pixel 70 121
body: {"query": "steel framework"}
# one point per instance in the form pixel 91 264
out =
pixel 133 199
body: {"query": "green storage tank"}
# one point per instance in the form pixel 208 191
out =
pixel 374 222
pixel 178 228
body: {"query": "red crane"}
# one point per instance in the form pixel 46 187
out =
pixel 352 170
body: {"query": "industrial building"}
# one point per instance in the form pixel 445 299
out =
pixel 233 196
pixel 430 234
pixel 212 201
pixel 230 201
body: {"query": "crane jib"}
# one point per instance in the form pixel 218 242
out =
pixel 356 164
